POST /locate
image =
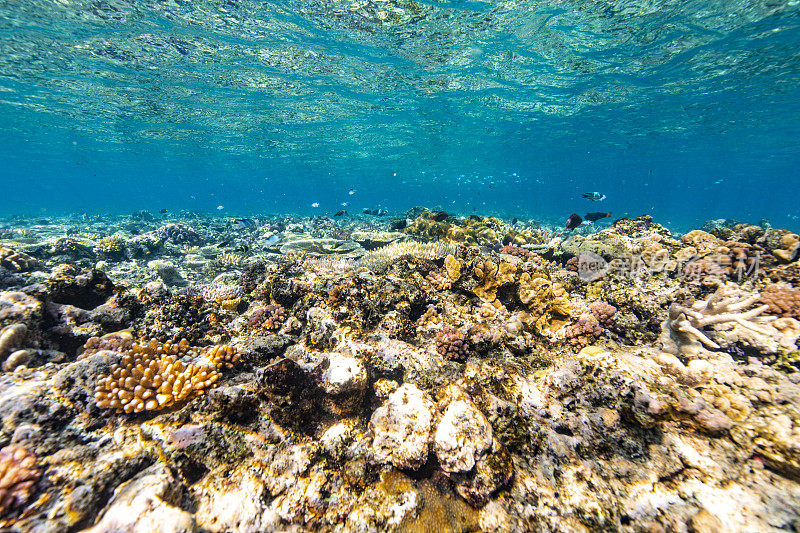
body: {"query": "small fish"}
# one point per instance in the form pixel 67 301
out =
pixel 242 223
pixel 573 221
pixel 272 240
pixel 345 204
pixel 220 207
pixel 351 192
pixel 163 211
pixel 315 204
pixel 594 196
pixel 594 217
pixel 340 212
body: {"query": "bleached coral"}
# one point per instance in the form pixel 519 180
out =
pixel 682 332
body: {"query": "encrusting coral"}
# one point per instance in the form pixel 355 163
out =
pixel 683 329
pixel 152 377
pixel 782 301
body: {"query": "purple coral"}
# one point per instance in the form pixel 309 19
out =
pixel 270 318
pixel 604 313
pixel 452 344
pixel 582 333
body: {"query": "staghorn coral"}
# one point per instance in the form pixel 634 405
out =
pixel 154 376
pixel 16 261
pixel 582 333
pixel 683 332
pixel 18 474
pixel 227 260
pixel 452 344
pixel 179 234
pixel 782 301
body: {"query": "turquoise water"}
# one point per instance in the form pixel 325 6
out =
pixel 687 111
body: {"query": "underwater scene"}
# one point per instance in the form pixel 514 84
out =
pixel 399 265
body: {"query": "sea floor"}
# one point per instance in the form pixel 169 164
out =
pixel 426 372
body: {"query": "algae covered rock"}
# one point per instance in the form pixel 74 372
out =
pixel 147 503
pixel 403 427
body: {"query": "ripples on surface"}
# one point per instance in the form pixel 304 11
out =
pixel 397 79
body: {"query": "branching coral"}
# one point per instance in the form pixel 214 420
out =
pixel 16 261
pixel 452 344
pixel 683 329
pixel 582 333
pixel 152 377
pixel 270 317
pixel 18 474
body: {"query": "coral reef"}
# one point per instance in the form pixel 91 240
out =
pixel 332 373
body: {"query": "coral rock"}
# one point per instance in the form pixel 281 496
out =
pixel 145 504
pixel 462 436
pixel 403 428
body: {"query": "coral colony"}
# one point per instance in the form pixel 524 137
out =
pixel 413 373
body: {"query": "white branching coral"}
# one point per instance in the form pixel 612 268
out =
pixel 682 332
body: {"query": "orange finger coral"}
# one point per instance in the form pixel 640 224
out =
pixel 153 376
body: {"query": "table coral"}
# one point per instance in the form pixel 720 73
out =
pixel 152 377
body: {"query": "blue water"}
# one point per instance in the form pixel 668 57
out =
pixel 687 111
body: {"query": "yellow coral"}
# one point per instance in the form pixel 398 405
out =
pixel 151 377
